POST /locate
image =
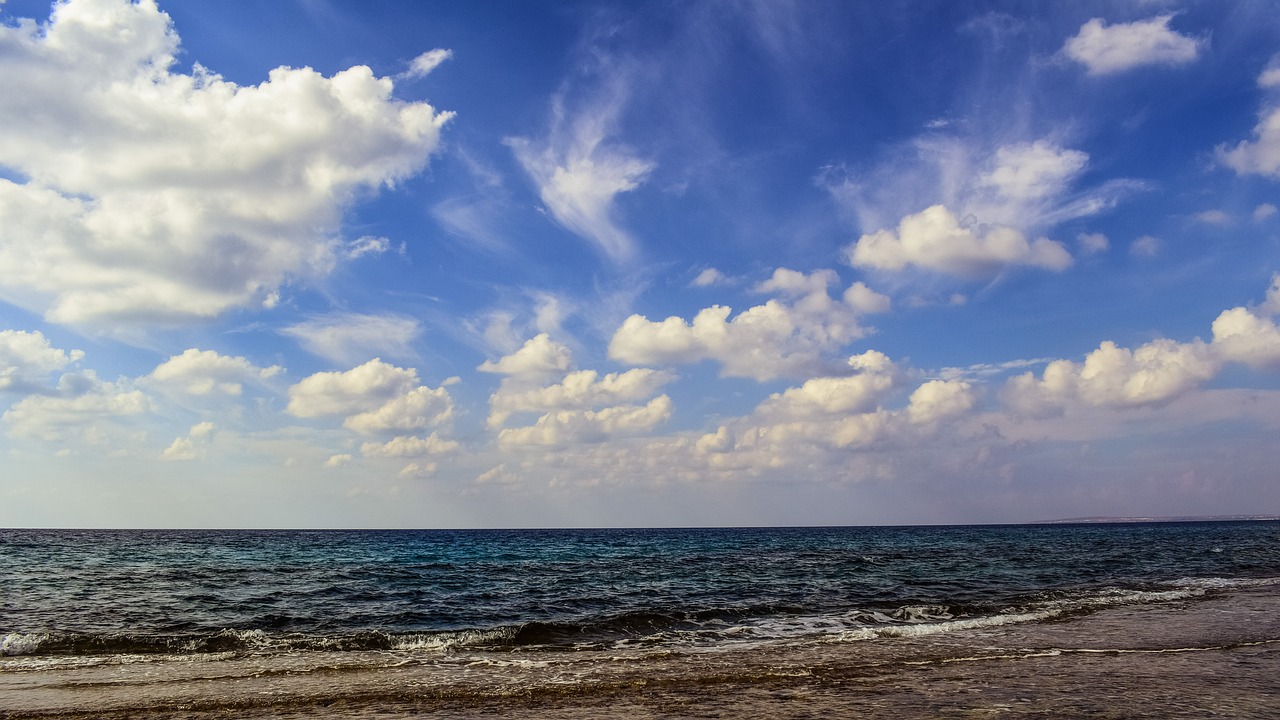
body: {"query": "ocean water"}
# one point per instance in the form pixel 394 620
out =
pixel 499 616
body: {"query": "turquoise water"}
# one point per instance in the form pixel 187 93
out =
pixel 95 593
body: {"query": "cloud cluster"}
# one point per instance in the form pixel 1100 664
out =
pixel 1106 49
pixel 1154 373
pixel 148 195
pixel 375 398
pixel 581 407
pixel 788 336
pixel 984 209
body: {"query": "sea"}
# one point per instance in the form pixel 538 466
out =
pixel 732 622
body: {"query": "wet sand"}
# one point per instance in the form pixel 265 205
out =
pixel 1216 656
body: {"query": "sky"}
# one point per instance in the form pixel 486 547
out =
pixel 313 263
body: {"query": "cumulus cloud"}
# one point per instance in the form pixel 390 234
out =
pixel 935 239
pixel 1260 156
pixel 1263 211
pixel 708 277
pixel 80 402
pixel 202 372
pixel 829 414
pixel 1105 49
pixel 565 427
pixel 155 196
pixel 539 356
pixel 579 390
pixel 28 358
pixel 875 376
pixel 790 336
pixel 375 397
pixel 1248 337
pixel 579 172
pixel 410 446
pixel 353 337
pixel 1113 376
pixel 191 447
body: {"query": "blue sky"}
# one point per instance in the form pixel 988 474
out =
pixel 386 264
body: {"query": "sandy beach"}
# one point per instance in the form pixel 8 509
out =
pixel 1215 656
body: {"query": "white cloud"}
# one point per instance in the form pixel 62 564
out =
pixel 27 358
pixel 1033 171
pixel 1145 246
pixel 579 390
pixel 353 337
pixel 154 196
pixel 709 277
pixel 938 400
pixel 780 337
pixel 1093 243
pixel 875 377
pixel 81 403
pixel 422 65
pixel 201 372
pixel 1106 49
pixel 1263 211
pixel 366 245
pixel 191 447
pixel 579 173
pixel 375 397
pixel 1116 377
pixel 865 300
pixel 936 240
pixel 338 460
pixel 409 446
pixel 1213 217
pixel 539 356
pixel 1244 336
pixel 563 427
pixel 1260 156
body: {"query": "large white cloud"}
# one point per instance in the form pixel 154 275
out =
pixel 936 239
pixel 791 336
pixel 375 397
pixel 28 358
pixel 153 195
pixel 201 372
pixel 1105 49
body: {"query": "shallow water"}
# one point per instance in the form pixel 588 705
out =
pixel 1138 621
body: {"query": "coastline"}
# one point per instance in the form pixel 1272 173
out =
pixel 1219 654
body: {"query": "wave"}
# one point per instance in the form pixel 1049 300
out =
pixel 719 626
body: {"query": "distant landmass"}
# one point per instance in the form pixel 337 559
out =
pixel 1176 518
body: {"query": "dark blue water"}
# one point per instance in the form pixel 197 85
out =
pixel 66 592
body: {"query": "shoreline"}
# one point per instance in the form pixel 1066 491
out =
pixel 1219 654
